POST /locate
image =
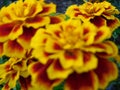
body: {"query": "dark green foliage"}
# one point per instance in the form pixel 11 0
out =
pixel 17 87
pixel 59 87
pixel 3 59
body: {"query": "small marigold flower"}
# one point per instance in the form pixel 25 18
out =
pixel 75 48
pixel 10 72
pixel 21 10
pixel 95 13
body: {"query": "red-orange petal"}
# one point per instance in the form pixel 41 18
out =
pixel 57 19
pixel 102 34
pixel 6 87
pixel 55 71
pixel 106 72
pixel 16 31
pixel 25 83
pixel 13 49
pixel 84 81
pixel 5 30
pixel 1 49
pixel 113 23
pixel 98 21
pixel 39 76
pixel 54 20
pixel 48 9
pixel 25 39
pixel 110 50
pixel 37 21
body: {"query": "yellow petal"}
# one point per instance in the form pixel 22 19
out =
pixel 90 62
pixel 55 70
pixel 48 9
pixel 25 39
pixel 37 21
pixel 13 49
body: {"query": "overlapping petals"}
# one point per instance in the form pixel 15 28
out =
pixel 110 10
pixel 102 12
pixel 40 79
pixel 45 48
pixel 18 23
pixel 86 11
pixel 106 71
pixel 21 10
pixel 13 49
pixel 75 49
pixel 100 77
pixel 89 10
pixel 10 72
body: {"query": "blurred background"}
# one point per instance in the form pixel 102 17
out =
pixel 61 7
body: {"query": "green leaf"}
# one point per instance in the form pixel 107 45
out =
pixel 54 14
pixel 3 59
pixel 67 17
pixel 17 86
pixel 60 86
pixel 6 2
pixel 116 33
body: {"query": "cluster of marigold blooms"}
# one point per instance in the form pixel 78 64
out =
pixel 45 50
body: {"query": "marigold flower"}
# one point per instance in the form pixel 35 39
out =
pixel 18 23
pixel 21 10
pixel 75 48
pixel 11 71
pixel 96 12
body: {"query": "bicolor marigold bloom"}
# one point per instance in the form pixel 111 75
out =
pixel 11 71
pixel 18 23
pixel 77 52
pixel 101 13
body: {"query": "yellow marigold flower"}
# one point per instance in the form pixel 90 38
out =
pixel 69 34
pixel 89 10
pixel 95 13
pixel 21 10
pixel 86 11
pixel 10 72
pixel 75 49
pixel 18 23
